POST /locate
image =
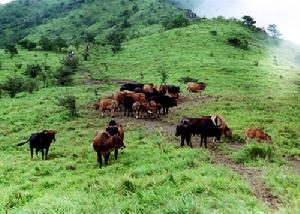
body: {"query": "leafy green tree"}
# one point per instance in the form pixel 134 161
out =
pixel 11 49
pixel 115 39
pixel 13 85
pixel 176 22
pixel 60 43
pixel 26 44
pixel 45 43
pixel 248 21
pixel 63 75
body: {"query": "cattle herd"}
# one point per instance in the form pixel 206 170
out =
pixel 147 101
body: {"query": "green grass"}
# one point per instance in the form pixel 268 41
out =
pixel 151 173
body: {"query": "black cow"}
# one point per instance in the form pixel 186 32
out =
pixel 40 141
pixel 185 133
pixel 128 102
pixel 166 102
pixel 203 126
pixel 173 89
pixel 131 86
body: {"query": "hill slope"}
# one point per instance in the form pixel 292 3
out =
pixel 74 19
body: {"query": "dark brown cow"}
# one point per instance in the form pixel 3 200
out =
pixel 196 86
pixel 257 134
pixel 104 143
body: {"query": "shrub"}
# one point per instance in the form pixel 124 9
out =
pixel 13 85
pixel 70 61
pixel 164 75
pixel 254 152
pixel 239 43
pixel 63 75
pixel 11 49
pixel 187 79
pixel 213 32
pixel 33 70
pixel 176 22
pixel 30 85
pixel 68 102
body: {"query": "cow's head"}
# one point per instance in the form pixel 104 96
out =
pixel 50 134
pixel 228 132
pixel 268 138
pixel 118 142
pixel 178 130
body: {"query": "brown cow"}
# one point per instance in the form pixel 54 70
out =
pixel 138 97
pixel 106 104
pixel 103 143
pixel 196 86
pixel 150 108
pixel 119 96
pixel 258 134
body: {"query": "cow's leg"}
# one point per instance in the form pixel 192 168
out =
pixel 205 142
pixel 116 154
pixel 31 151
pixel 188 140
pixel 42 154
pixel 125 110
pixel 99 158
pixel 201 141
pixel 182 141
pixel 167 110
pixel 106 158
pixel 47 149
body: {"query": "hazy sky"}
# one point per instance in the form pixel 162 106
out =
pixel 4 1
pixel 284 13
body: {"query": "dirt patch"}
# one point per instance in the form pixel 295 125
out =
pixel 295 163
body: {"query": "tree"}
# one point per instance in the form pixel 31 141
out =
pixel 248 21
pixel 45 43
pixel 63 75
pixel 60 43
pixel 115 39
pixel 13 85
pixel 176 22
pixel 273 31
pixel 26 44
pixel 11 49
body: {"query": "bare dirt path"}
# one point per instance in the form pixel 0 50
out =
pixel 250 174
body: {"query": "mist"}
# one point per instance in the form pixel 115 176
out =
pixel 284 13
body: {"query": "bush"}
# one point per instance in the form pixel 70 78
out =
pixel 13 85
pixel 164 75
pixel 63 75
pixel 70 61
pixel 33 70
pixel 239 43
pixel 68 102
pixel 176 22
pixel 213 32
pixel 254 152
pixel 30 85
pixel 11 49
pixel 187 79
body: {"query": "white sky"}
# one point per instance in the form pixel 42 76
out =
pixel 284 13
pixel 4 1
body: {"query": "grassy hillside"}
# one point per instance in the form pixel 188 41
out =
pixel 74 19
pixel 153 174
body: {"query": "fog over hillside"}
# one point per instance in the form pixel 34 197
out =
pixel 285 14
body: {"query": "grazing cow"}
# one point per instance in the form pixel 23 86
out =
pixel 166 102
pixel 138 97
pixel 106 104
pixel 131 86
pixel 40 141
pixel 152 108
pixel 104 143
pixel 119 96
pixel 128 102
pixel 196 86
pixel 258 134
pixel 115 129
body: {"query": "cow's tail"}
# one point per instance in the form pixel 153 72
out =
pixel 21 144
